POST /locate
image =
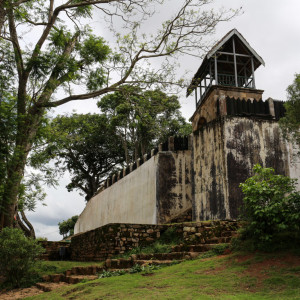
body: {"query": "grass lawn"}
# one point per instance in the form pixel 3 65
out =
pixel 234 276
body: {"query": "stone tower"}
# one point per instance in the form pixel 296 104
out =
pixel 233 129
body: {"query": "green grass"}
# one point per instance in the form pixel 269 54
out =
pixel 236 276
pixel 56 267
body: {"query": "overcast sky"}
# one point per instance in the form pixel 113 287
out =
pixel 272 28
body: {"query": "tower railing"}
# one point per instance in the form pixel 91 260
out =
pixel 225 80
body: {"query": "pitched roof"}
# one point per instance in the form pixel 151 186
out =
pixel 231 33
pixel 218 46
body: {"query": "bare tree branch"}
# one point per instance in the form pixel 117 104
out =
pixel 16 45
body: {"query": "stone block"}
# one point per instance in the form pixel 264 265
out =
pixel 136 226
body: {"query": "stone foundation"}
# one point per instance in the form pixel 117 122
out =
pixel 113 239
pixel 52 250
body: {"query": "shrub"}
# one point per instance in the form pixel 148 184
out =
pixel 18 257
pixel 106 274
pixel 271 206
pixel 170 237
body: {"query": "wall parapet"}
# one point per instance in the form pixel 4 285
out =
pixel 270 109
pixel 173 143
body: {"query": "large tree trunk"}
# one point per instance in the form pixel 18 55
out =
pixel 29 225
pixel 22 226
pixel 10 197
pixel 25 136
pixel 2 15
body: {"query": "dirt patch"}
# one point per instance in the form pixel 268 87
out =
pixel 20 293
pixel 213 271
pixel 26 292
pixel 262 268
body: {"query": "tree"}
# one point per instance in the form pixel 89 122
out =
pixel 66 228
pixel 271 206
pixel 143 118
pixel 85 145
pixel 65 55
pixel 18 257
pixel 291 122
pixel 30 190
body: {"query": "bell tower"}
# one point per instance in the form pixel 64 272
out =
pixel 233 128
pixel 228 70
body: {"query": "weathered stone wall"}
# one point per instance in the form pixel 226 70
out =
pixel 174 189
pixel 155 192
pixel 210 184
pixel 226 150
pixel 209 110
pixel 52 250
pixel 248 141
pixel 114 239
pixel 186 216
pixel 294 162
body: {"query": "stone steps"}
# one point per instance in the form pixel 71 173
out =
pixel 90 270
pixel 120 264
pixel 162 256
pixel 49 286
pixel 70 279
pixel 179 253
pixel 198 248
pixel 72 276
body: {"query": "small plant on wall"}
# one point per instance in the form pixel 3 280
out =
pixel 271 207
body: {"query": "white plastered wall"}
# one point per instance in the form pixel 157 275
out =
pixel 132 199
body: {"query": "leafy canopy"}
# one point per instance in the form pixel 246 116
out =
pixel 291 122
pixel 87 146
pixel 272 205
pixel 143 118
pixel 66 228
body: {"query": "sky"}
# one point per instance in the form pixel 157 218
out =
pixel 271 27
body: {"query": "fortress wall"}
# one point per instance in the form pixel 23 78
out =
pixel 174 184
pixel 130 200
pixel 248 141
pixel 210 199
pixel 225 151
pixel 154 193
pixel 294 162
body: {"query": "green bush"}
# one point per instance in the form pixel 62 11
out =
pixel 271 206
pixel 170 237
pixel 18 257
